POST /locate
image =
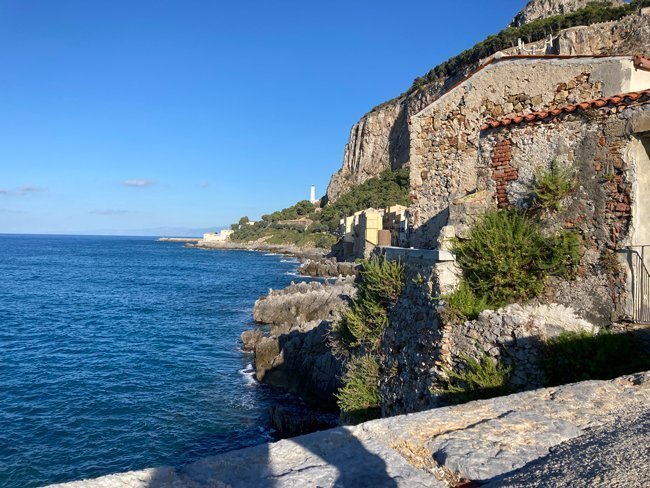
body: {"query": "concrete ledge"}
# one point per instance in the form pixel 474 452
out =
pixel 403 254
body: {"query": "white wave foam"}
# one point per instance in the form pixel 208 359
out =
pixel 249 374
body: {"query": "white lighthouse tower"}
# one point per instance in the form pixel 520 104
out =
pixel 312 194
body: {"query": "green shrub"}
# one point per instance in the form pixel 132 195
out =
pixel 507 257
pixel 383 279
pixel 476 379
pixel 378 288
pixel 579 356
pixel 364 322
pixel 463 304
pixel 358 398
pixel 553 185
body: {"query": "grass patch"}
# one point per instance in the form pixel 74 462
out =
pixel 507 258
pixel 553 185
pixel 476 379
pixel 580 356
pixel 358 398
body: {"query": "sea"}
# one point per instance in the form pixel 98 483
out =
pixel 121 353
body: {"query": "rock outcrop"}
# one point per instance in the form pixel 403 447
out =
pixel 567 433
pixel 295 354
pixel 301 303
pixel 539 9
pixel 327 268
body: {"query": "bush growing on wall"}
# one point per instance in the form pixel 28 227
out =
pixel 552 186
pixel 358 398
pixel 476 379
pixel 379 286
pixel 507 257
pixel 358 334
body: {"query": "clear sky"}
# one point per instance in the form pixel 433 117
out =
pixel 125 115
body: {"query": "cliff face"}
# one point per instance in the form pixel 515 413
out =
pixel 381 138
pixel 539 9
pixel 377 142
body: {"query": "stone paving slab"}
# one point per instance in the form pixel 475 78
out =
pixel 479 440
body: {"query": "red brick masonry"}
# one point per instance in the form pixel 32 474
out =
pixel 502 170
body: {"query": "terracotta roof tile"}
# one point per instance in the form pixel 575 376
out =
pixel 616 100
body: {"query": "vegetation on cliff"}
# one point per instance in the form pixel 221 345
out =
pixel 476 379
pixel 389 188
pixel 579 356
pixel 534 31
pixel 358 336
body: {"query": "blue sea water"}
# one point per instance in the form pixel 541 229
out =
pixel 123 353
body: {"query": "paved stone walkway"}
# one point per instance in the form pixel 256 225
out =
pixel 481 441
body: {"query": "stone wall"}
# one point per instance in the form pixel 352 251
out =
pixel 445 137
pixel 381 138
pixel 596 146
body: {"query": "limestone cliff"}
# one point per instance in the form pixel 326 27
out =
pixel 539 9
pixel 381 138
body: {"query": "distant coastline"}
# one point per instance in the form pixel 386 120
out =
pixel 178 239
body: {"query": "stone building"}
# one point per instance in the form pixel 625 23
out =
pixel 480 145
pixel 363 231
pixel 446 135
pixel 221 236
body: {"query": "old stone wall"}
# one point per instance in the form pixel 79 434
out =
pixel 596 147
pixel 445 136
pixel 381 138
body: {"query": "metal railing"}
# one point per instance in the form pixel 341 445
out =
pixel 640 283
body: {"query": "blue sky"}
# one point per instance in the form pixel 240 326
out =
pixel 122 116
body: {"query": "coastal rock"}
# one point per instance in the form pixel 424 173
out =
pixel 250 338
pixel 302 362
pixel 303 302
pixel 595 431
pixel 328 268
pixel 296 356
pixel 290 421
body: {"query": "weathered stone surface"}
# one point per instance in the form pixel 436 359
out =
pixel 481 450
pixel 328 268
pixel 615 454
pixel 303 302
pixel 483 439
pixel 539 9
pixel 295 354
